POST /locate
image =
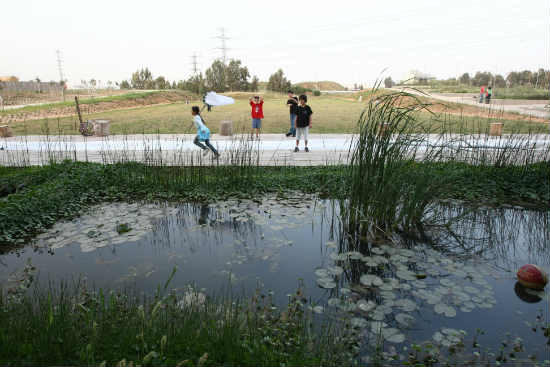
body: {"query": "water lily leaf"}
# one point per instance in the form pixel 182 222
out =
pixel 335 270
pixel 438 337
pixel 345 290
pixel 365 306
pixel 358 322
pixel 371 280
pixel 405 275
pixel 318 309
pixel 326 283
pixel 331 244
pixel 393 335
pixel 377 250
pixel 406 305
pixel 376 327
pixel 333 302
pixel 377 315
pixel 405 319
pixel 322 273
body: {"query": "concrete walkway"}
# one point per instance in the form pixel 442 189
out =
pixel 270 150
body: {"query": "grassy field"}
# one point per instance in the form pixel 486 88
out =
pixel 332 114
pixel 83 101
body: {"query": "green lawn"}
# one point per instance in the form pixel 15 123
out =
pixel 331 114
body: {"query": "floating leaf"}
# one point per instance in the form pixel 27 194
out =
pixel 405 319
pixel 335 270
pixel 318 309
pixel 322 273
pixel 405 275
pixel 393 335
pixel 376 327
pixel 406 305
pixel 358 322
pixel 371 280
pixel 365 306
pixel 377 250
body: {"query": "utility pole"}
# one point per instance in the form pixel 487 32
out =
pixel 61 77
pixel 194 64
pixel 223 45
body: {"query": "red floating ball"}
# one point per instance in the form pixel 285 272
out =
pixel 531 276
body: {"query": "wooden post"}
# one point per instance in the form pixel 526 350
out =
pixel 495 129
pixel 226 128
pixel 5 131
pixel 78 111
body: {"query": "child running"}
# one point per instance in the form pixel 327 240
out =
pixel 203 133
pixel 257 114
pixel 303 121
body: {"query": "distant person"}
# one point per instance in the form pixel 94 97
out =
pixel 481 94
pixel 303 122
pixel 292 103
pixel 488 95
pixel 203 133
pixel 186 99
pixel 257 104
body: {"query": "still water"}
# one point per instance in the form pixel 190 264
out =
pixel 459 277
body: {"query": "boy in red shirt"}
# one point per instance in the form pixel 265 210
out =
pixel 257 104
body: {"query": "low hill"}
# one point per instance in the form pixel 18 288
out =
pixel 322 85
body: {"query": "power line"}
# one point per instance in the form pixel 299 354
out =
pixel 223 45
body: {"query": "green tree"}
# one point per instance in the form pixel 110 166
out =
pixel 499 81
pixel 388 82
pixel 482 78
pixel 160 83
pixel 124 84
pixel 254 85
pixel 142 79
pixel 236 76
pixel 464 79
pixel 195 84
pixel 215 76
pixel 278 82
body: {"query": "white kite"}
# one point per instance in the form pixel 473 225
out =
pixel 213 99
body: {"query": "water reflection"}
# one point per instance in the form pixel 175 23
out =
pixel 459 275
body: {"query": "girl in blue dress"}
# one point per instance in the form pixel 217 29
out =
pixel 203 133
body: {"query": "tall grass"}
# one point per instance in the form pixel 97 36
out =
pixel 75 325
pixel 392 164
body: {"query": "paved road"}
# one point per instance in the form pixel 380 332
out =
pixel 535 108
pixel 270 150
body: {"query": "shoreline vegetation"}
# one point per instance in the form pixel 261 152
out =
pixel 385 187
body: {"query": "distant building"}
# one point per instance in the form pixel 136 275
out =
pixel 416 77
pixel 9 79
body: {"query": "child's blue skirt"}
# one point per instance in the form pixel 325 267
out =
pixel 204 134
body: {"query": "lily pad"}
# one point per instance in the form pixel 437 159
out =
pixel 365 306
pixel 405 319
pixel 371 280
pixel 358 322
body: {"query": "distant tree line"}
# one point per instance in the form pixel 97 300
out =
pixel 527 78
pixel 218 77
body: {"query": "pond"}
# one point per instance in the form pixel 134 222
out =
pixel 458 278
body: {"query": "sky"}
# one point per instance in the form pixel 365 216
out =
pixel 344 41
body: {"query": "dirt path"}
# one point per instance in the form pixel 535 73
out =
pixel 532 108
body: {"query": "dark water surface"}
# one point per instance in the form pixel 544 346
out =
pixel 467 270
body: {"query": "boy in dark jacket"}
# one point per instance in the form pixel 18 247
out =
pixel 303 122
